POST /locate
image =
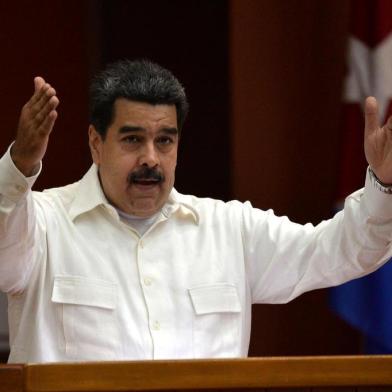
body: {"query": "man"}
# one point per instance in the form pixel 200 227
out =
pixel 121 266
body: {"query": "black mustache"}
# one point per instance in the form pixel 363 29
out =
pixel 145 173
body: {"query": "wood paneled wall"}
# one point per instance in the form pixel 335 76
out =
pixel 287 61
pixel 48 38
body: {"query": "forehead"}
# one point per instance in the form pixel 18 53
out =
pixel 143 114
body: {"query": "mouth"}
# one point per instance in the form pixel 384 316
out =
pixel 146 182
pixel 146 177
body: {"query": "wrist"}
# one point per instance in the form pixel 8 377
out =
pixel 381 186
pixel 26 167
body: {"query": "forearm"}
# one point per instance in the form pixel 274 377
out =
pixel 370 225
pixel 292 258
pixel 17 226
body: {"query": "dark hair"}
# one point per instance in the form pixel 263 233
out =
pixel 139 80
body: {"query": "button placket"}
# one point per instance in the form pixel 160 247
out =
pixel 147 287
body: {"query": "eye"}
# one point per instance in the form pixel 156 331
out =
pixel 165 140
pixel 131 139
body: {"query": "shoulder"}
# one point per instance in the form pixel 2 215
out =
pixel 63 195
pixel 209 207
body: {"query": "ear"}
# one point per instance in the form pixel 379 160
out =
pixel 95 142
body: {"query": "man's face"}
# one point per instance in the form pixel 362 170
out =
pixel 138 157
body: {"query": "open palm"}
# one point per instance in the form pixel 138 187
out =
pixel 378 142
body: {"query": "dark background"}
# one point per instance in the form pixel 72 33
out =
pixel 264 80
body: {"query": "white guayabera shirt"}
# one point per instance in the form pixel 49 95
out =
pixel 83 285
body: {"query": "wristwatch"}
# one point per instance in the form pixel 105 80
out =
pixel 378 184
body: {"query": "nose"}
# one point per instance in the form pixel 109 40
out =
pixel 149 156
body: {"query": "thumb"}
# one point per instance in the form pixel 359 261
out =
pixel 371 115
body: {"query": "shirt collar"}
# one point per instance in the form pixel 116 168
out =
pixel 89 196
pixel 179 205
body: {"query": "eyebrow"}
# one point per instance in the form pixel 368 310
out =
pixel 131 128
pixel 170 131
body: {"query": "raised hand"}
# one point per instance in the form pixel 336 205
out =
pixel 35 125
pixel 378 142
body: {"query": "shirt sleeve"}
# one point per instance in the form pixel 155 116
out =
pixel 17 226
pixel 285 259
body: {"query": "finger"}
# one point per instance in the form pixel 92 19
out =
pixel 388 124
pixel 45 95
pixel 371 115
pixel 47 125
pixel 38 83
pixel 50 106
pixel 39 96
pixel 40 86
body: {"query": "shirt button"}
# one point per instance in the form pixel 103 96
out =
pixel 147 281
pixel 20 188
pixel 141 244
pixel 156 325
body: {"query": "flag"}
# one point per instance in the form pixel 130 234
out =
pixel 366 303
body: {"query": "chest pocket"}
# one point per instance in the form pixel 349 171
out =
pixel 217 320
pixel 87 310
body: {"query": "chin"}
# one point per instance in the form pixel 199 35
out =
pixel 145 210
pixel 145 213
